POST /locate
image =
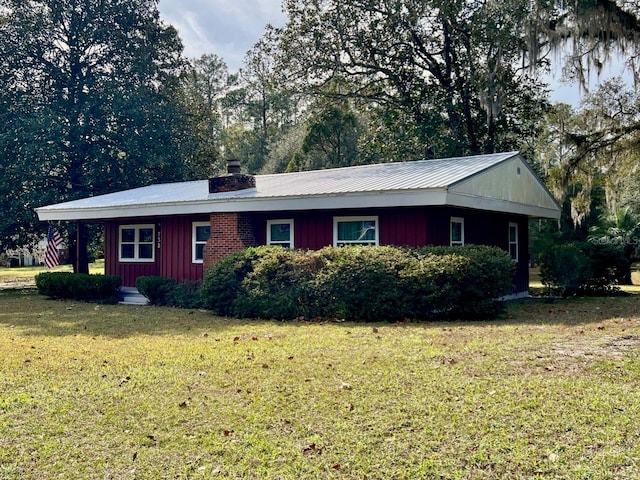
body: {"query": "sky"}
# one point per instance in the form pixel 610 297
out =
pixel 229 28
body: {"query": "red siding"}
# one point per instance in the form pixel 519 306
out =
pixel 406 227
pixel 127 271
pixel 175 251
pixel 314 230
pixel 172 255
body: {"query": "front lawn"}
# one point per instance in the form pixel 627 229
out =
pixel 112 391
pixel 24 276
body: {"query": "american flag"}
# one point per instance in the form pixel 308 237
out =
pixel 51 252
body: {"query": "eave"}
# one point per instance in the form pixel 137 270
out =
pixel 359 200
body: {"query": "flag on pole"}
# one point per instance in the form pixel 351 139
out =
pixel 51 252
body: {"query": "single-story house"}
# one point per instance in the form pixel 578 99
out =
pixel 177 229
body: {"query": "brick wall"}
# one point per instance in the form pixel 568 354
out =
pixel 230 232
pixel 231 183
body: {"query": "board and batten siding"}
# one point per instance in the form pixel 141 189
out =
pixel 127 271
pixel 413 227
pixel 176 248
pixel 173 256
pixel 410 226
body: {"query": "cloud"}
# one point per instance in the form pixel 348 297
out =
pixel 228 28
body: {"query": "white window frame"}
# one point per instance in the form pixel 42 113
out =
pixel 136 243
pixel 195 242
pixel 460 242
pixel 517 241
pixel 285 221
pixel 337 220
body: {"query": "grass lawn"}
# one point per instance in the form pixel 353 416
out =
pixel 25 275
pixel 548 391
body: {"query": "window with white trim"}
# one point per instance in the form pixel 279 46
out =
pixel 200 232
pixel 513 240
pixel 280 232
pixel 456 230
pixel 136 243
pixel 355 231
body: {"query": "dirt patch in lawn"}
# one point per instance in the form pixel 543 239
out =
pixel 606 346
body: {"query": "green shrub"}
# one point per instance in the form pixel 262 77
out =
pixel 222 283
pixel 277 285
pixel 158 290
pixel 79 286
pixel 564 268
pixel 466 281
pixel 585 268
pixel 359 283
pixel 610 267
pixel 187 295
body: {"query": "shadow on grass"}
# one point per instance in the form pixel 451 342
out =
pixel 34 314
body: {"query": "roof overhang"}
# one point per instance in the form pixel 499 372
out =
pixel 359 200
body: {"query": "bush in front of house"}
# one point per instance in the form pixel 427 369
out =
pixel 277 283
pixel 158 290
pixel 167 292
pixel 187 295
pixel 466 281
pixel 222 283
pixel 79 286
pixel 359 283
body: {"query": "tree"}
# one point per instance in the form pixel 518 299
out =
pixel 448 67
pixel 592 149
pixel 332 138
pixel 265 110
pixel 206 87
pixel 594 33
pixel 88 105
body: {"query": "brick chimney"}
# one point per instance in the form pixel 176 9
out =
pixel 233 180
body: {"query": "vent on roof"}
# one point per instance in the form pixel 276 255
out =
pixel 233 180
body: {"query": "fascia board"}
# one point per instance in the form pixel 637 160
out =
pixel 128 211
pixel 505 206
pixel 263 204
pixel 386 199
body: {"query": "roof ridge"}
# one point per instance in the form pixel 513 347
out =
pixel 378 165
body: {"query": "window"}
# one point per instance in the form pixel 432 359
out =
pixel 280 232
pixel 457 231
pixel 513 241
pixel 199 236
pixel 355 231
pixel 137 243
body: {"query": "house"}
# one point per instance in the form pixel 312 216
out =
pixel 29 255
pixel 177 229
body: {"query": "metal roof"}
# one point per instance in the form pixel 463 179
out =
pixel 421 174
pixel 396 179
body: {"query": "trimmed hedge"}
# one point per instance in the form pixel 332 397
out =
pixel 359 283
pixel 79 286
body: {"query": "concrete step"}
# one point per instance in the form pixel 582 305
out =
pixel 131 296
